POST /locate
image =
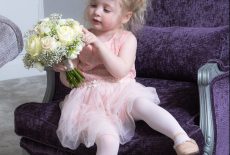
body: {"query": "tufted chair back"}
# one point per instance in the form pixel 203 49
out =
pixel 188 13
pixel 180 36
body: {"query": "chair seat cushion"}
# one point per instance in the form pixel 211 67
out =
pixel 38 122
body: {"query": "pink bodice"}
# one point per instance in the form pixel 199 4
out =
pixel 92 67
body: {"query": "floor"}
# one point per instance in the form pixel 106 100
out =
pixel 12 94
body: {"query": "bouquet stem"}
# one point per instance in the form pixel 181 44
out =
pixel 73 75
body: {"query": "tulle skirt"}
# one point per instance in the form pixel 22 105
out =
pixel 101 107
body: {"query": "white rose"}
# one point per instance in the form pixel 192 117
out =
pixel 33 45
pixel 66 34
pixel 49 43
pixel 77 27
pixel 44 28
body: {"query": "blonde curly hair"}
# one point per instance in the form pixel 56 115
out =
pixel 138 9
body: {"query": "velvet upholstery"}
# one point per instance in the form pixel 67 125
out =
pixel 179 98
pixel 168 52
pixel 188 13
pixel 179 37
pixel 220 91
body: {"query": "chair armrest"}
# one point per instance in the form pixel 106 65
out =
pixel 50 85
pixel 11 42
pixel 55 90
pixel 223 66
pixel 206 75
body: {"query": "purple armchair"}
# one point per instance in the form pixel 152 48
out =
pixel 183 51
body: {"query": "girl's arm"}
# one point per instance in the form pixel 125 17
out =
pixel 118 66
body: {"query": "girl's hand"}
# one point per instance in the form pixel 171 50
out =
pixel 89 37
pixel 60 67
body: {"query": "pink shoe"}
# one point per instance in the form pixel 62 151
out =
pixel 189 147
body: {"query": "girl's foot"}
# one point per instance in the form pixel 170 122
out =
pixel 187 148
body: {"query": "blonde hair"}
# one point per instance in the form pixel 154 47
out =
pixel 138 9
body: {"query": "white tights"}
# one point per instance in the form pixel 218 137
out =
pixel 107 145
pixel 159 119
pixel 155 116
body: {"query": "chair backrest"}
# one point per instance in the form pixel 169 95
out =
pixel 188 13
pixel 182 35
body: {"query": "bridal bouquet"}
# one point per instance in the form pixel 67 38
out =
pixel 54 40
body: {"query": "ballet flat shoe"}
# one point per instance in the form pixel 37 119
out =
pixel 189 147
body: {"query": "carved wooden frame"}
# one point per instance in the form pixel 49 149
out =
pixel 206 74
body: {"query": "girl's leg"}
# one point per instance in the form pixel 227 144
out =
pixel 107 144
pixel 159 119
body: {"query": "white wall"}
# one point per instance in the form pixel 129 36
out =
pixel 25 13
pixel 68 8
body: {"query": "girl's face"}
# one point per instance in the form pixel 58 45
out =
pixel 105 15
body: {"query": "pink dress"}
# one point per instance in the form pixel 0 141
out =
pixel 102 105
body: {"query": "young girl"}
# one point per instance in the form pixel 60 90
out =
pixel 103 110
